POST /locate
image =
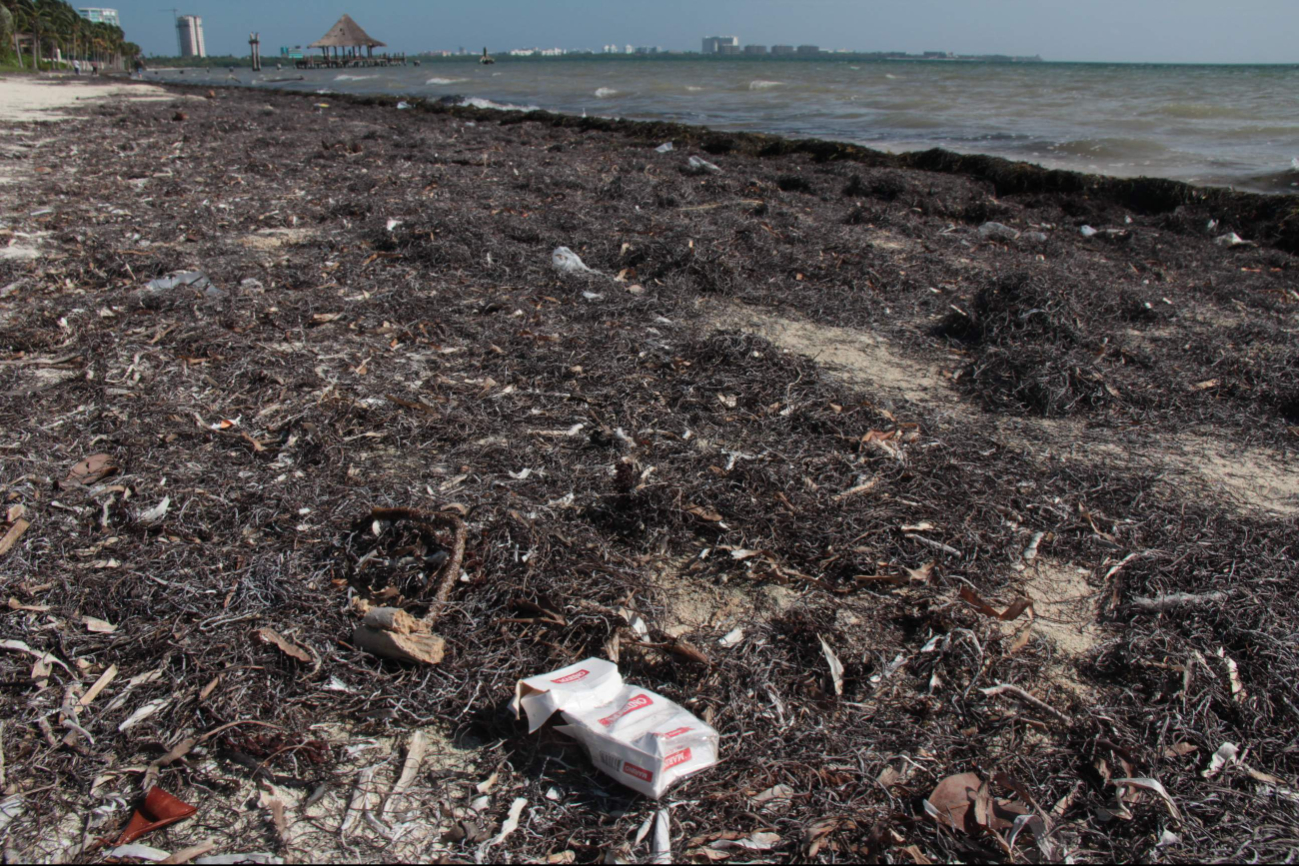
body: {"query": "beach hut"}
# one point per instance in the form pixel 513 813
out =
pixel 346 38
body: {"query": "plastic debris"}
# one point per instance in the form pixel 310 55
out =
pixel 566 261
pixel 1231 239
pixel 731 639
pixel 640 738
pixel 404 105
pixel 701 166
pixel 158 810
pixel 665 147
pixel 998 231
pixel 1088 232
pixel 176 287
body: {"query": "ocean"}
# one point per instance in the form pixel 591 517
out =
pixel 1211 125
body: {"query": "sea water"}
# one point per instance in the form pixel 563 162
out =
pixel 1211 125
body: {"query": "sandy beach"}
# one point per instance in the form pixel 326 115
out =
pixel 907 474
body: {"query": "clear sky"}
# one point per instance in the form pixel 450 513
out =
pixel 1157 31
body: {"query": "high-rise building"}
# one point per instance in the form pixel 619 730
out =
pixel 713 44
pixel 102 16
pixel 189 28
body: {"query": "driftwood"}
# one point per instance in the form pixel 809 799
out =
pixel 391 632
pixel 395 634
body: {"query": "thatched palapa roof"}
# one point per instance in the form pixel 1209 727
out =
pixel 346 34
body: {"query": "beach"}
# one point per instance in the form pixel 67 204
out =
pixel 890 468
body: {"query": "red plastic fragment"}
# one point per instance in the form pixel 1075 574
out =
pixel 158 810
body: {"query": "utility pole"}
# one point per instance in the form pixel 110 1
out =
pixel 255 43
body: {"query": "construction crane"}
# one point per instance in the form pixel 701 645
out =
pixel 175 25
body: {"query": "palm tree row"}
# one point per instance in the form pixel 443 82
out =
pixel 51 27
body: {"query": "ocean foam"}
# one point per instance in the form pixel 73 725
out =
pixel 691 88
pixel 354 77
pixel 605 92
pixel 765 85
pixel 445 80
pixel 479 102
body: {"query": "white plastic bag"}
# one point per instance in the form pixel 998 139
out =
pixel 566 261
pixel 639 738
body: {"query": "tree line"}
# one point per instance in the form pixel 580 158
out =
pixel 34 32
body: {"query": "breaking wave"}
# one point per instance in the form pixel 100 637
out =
pixel 765 85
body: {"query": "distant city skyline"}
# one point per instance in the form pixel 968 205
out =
pixel 1151 31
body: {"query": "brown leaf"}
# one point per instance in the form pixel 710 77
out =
pixel 1181 750
pixel 1013 612
pixel 93 469
pixel 952 801
pixel 11 537
pixel 921 574
pixel 98 626
pixel 290 649
pixel 913 851
pixel 706 514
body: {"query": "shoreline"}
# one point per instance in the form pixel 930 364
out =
pixel 821 403
pixel 1266 216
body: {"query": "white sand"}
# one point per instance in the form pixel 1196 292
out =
pixel 34 99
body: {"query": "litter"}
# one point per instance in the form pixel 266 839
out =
pixel 999 231
pixel 640 738
pixel 566 261
pixel 1088 232
pixel 665 147
pixel 404 105
pixel 701 166
pixel 175 288
pixel 158 810
pixel 1232 239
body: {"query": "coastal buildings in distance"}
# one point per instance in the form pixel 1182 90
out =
pixel 727 46
pixel 189 30
pixel 101 16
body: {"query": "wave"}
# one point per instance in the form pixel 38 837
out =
pixel 354 77
pixel 479 102
pixel 605 92
pixel 765 85
pixel 692 89
pixel 445 80
pixel 892 77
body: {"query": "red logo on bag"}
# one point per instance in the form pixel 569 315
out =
pixel 573 677
pixel 632 770
pixel 675 758
pixel 636 703
pixel 675 733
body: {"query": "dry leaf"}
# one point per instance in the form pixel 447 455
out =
pixel 1154 785
pixel 921 574
pixel 755 842
pixel 1227 754
pixel 1015 610
pixel 11 537
pixel 705 514
pixel 1180 750
pixel 98 626
pixel 836 667
pixel 952 801
pixel 93 469
pixel 290 649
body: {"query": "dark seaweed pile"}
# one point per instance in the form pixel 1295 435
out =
pixel 387 331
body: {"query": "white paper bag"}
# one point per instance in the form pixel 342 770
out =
pixel 639 738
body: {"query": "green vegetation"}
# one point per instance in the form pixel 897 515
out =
pixel 45 29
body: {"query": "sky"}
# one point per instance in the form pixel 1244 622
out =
pixel 1138 31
